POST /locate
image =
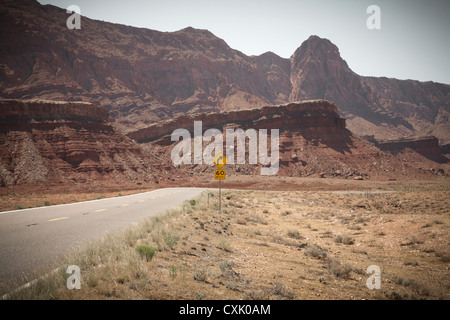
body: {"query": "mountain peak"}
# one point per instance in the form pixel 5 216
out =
pixel 319 72
pixel 318 49
pixel 196 32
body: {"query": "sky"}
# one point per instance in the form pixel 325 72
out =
pixel 413 41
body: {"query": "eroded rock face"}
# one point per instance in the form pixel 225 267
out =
pixel 143 76
pixel 54 142
pixel 45 141
pixel 318 117
pixel 426 146
pixel 15 112
pixel 313 141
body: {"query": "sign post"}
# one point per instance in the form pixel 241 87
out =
pixel 220 160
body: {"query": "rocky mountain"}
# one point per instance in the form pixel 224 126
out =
pixel 142 76
pixel 383 107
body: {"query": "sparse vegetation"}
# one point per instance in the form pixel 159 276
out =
pixel 338 269
pixel 282 291
pixel 165 238
pixel 294 234
pixel 226 267
pixel 146 251
pixel 316 251
pixel 344 239
pixel 200 274
pixel 260 249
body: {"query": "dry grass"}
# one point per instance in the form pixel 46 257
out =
pixel 274 245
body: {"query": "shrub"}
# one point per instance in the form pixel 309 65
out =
pixel 200 275
pixel 146 251
pixel 225 246
pixel 316 251
pixel 173 272
pixel 226 266
pixel 192 202
pixel 165 239
pixel 338 269
pixel 294 234
pixel 283 291
pixel 344 239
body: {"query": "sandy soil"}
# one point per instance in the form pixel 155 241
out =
pixel 300 245
pixel 16 197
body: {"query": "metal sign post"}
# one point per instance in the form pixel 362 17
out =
pixel 220 160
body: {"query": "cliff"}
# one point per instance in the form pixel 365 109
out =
pixel 313 141
pixel 144 76
pixel 425 146
pixel 318 117
pixel 15 114
pixel 58 142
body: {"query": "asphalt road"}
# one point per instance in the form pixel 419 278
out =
pixel 33 238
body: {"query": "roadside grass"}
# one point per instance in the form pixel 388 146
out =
pixel 115 258
pixel 269 245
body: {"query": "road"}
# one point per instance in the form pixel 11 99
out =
pixel 33 238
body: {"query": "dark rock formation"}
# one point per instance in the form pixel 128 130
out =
pixel 426 146
pixel 313 141
pixel 51 142
pixel 142 76
pixel 315 117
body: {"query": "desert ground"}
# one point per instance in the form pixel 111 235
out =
pixel 314 240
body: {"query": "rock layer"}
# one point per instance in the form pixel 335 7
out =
pixel 426 146
pixel 313 141
pixel 142 76
pixel 318 117
pixel 50 142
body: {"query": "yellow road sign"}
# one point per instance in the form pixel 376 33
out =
pixel 220 160
pixel 220 174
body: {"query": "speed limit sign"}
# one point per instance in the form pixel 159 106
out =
pixel 220 174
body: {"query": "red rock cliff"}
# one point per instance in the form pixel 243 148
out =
pixel 313 141
pixel 426 146
pixel 48 141
pixel 309 117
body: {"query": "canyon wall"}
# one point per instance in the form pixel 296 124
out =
pixel 427 146
pixel 143 76
pixel 313 141
pixel 311 117
pixel 58 142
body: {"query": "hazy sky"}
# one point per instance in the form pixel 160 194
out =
pixel 413 42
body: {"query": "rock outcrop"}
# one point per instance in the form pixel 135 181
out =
pixel 57 142
pixel 426 146
pixel 313 141
pixel 17 113
pixel 315 117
